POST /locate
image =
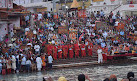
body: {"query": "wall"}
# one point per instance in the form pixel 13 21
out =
pixel 108 2
pixel 3 30
pixel 16 22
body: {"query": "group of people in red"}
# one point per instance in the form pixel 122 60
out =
pixel 69 50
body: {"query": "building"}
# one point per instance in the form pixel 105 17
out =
pixel 62 3
pixel 126 7
pixel 9 17
pixel 35 6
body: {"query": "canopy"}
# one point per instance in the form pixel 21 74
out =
pixel 75 4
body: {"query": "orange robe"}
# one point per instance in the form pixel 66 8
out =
pixel 77 49
pixel 49 49
pixel 55 52
pixel 83 52
pixel 65 51
pixel 71 53
pixel 90 49
pixel 60 52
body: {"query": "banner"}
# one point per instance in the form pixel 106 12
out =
pixel 82 13
pixel 10 4
pixel 62 30
pixel 100 25
pixel 41 9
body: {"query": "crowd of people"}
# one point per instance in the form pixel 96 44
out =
pixel 39 38
pixel 84 77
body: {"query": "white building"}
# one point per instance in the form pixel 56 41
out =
pixel 8 18
pixel 126 7
pixel 36 5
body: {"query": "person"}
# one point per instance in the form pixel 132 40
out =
pixel 37 49
pixel 83 77
pixel 130 76
pixel 83 52
pixel 113 77
pixel 65 51
pixel 77 49
pixel 43 62
pixel 62 79
pixel 100 57
pixel 13 59
pixel 8 64
pixel 0 65
pixel 23 63
pixel 55 52
pixel 39 63
pixel 50 60
pixel 60 51
pixel 90 45
pixel 28 64
pixel 71 53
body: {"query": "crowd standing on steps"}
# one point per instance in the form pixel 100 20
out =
pixel 40 40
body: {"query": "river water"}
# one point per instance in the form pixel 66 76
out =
pixel 96 73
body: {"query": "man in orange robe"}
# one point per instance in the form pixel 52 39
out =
pixel 49 49
pixel 77 49
pixel 90 46
pixel 65 51
pixel 55 52
pixel 71 53
pixel 83 52
pixel 59 51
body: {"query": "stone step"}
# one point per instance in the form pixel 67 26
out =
pixel 74 64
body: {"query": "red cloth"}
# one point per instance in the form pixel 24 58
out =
pixel 65 51
pixel 60 52
pixel 71 53
pixel 83 52
pixel 76 47
pixel 55 52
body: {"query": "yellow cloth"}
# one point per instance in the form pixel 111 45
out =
pixel 62 79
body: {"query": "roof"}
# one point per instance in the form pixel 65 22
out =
pixel 38 4
pixel 75 4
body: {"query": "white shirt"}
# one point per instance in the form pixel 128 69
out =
pixel 99 51
pixel 37 47
pixel 0 62
pixel 50 59
pixel 39 16
pixel 34 32
pixel 103 44
pixel 29 44
pixel 105 34
pixel 27 29
pixel 28 62
pixel 23 62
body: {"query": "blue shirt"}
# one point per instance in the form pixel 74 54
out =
pixel 122 33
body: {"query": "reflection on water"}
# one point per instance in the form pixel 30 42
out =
pixel 97 73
